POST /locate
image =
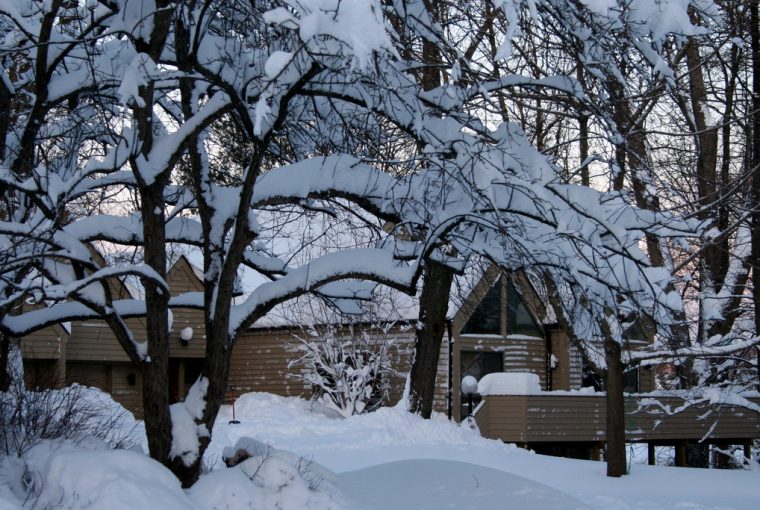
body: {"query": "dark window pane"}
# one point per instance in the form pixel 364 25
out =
pixel 485 320
pixel 480 363
pixel 519 319
pixel 631 380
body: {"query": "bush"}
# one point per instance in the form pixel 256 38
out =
pixel 74 413
pixel 347 373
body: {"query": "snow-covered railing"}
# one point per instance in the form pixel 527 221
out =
pixel 580 416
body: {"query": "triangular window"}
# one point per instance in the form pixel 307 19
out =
pixel 519 319
pixel 486 319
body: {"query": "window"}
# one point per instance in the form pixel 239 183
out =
pixel 519 319
pixel 480 363
pixel 631 380
pixel 486 319
pixel 488 315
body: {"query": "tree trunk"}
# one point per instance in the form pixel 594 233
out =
pixel 436 286
pixel 434 303
pixel 5 374
pixel 155 368
pixel 616 461
pixel 755 167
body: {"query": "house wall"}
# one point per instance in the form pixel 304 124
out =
pixel 44 356
pixel 46 343
pixel 94 341
pixel 264 360
pixel 560 349
pixel 568 372
pixel 112 378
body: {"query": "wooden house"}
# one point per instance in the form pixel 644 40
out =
pixel 502 326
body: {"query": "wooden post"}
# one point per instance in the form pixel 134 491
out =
pixel 681 453
pixel 651 460
pixel 748 448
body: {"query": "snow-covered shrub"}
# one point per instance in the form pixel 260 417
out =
pixel 74 413
pixel 266 477
pixel 348 373
pixel 87 475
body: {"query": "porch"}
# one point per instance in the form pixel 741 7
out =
pixel 551 422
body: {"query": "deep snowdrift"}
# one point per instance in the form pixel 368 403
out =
pixel 313 459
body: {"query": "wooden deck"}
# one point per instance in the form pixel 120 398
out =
pixel 553 418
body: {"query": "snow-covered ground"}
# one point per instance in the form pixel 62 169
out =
pixel 309 458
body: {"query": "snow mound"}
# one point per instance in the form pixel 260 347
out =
pixel 509 383
pixel 270 478
pixel 297 425
pixel 425 484
pixel 89 475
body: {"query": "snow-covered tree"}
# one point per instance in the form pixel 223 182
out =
pixel 331 119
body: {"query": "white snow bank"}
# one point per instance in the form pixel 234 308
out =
pixel 89 475
pixel 271 478
pixel 392 434
pixel 426 484
pixel 294 424
pixel 509 383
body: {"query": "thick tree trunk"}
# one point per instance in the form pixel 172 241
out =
pixel 5 374
pixel 755 167
pixel 430 330
pixel 616 461
pixel 216 371
pixel 436 286
pixel 155 368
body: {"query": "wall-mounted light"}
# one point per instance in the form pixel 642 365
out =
pixel 131 379
pixel 185 336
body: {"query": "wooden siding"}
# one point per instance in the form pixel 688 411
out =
pixel 441 398
pixel 261 361
pixel 112 378
pixel 182 278
pixel 47 343
pixel 576 368
pixel 183 318
pixel 564 418
pixel 130 396
pixel 94 341
pixel 646 379
pixel 560 344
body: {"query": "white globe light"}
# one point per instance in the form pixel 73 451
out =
pixel 186 334
pixel 469 385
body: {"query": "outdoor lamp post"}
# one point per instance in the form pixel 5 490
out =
pixel 469 387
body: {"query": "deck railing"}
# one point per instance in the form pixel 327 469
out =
pixel 551 417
